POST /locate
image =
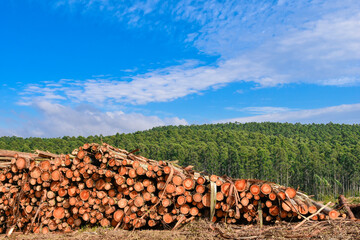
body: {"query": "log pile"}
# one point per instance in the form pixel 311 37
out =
pixel 103 185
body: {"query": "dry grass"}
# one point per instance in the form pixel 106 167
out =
pixel 202 229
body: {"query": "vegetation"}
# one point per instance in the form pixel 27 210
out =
pixel 320 159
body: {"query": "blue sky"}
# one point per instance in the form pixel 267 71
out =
pixel 83 67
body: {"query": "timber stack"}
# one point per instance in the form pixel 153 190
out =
pixel 99 184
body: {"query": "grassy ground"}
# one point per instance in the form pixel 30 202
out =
pixel 339 229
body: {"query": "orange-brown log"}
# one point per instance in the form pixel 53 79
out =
pixel 283 214
pixel 55 175
pixel 118 215
pixel 244 201
pixel 240 184
pixel 312 209
pixel 72 191
pixel 139 201
pixel 268 203
pixel 138 186
pixel 219 182
pixel 272 196
pixel 219 196
pixel 45 165
pixel 50 195
pixel 104 222
pixel 166 202
pixel 314 218
pixel 152 223
pixel 286 206
pixel 194 211
pixel 181 200
pixel 84 195
pixel 201 180
pixel 189 184
pixel 168 218
pixel 28 209
pixel 282 195
pixel 249 195
pixel 21 163
pixel 213 178
pixel 89 183
pixel 146 182
pixel 170 188
pixel 266 188
pixel 81 154
pixel 255 189
pixel 160 185
pixel 206 200
pixel 167 169
pixel 45 176
pixel 179 190
pixel 139 222
pixel 151 188
pixel 225 187
pixel 177 180
pixel 197 197
pixel 100 184
pixel 69 174
pixel 333 214
pixel 274 211
pixel 200 189
pixel 35 173
pixel 72 201
pixel 147 196
pixel 123 203
pixel 185 209
pixel 59 213
pixel 122 170
pixel 290 192
pixel 133 194
pixel 303 209
pixel 140 171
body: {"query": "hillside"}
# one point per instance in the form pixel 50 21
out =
pixel 320 159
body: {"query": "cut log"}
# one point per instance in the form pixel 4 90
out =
pixel 59 213
pixel 344 204
pixel 290 192
pixel 240 185
pixel 266 188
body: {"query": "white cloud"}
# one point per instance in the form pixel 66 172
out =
pixel 132 12
pixel 56 120
pixel 329 38
pixel 260 110
pixel 160 85
pixel 347 113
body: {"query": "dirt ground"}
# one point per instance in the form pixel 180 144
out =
pixel 338 229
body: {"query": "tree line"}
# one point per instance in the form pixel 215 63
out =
pixel 319 159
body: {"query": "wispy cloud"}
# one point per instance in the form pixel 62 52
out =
pixel 260 110
pixel 55 120
pixel 159 85
pixel 134 13
pixel 347 113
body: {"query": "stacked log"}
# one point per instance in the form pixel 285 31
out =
pixel 103 185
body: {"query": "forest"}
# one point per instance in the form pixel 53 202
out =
pixel 319 159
